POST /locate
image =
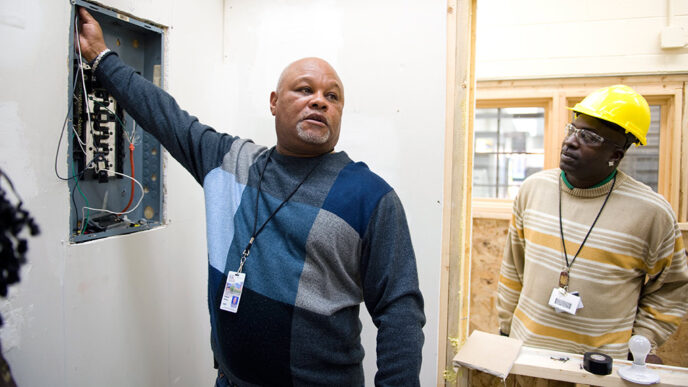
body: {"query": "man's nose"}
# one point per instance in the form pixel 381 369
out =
pixel 319 101
pixel 572 139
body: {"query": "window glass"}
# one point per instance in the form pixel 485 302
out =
pixel 643 162
pixel 509 146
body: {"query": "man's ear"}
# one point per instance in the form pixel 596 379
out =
pixel 273 103
pixel 617 156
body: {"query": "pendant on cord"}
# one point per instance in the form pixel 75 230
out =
pixel 564 279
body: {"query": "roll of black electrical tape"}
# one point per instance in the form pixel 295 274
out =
pixel 597 363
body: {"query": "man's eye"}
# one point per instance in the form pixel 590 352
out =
pixel 333 96
pixel 305 89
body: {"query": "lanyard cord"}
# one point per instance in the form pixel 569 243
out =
pixel 255 233
pixel 561 227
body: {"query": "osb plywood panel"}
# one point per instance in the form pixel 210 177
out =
pixel 489 236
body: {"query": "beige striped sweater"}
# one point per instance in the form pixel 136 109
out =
pixel 635 237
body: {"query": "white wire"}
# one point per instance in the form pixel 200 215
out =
pixel 114 212
pixel 133 132
pixel 83 81
pixel 90 124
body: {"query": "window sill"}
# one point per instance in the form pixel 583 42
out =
pixel 492 208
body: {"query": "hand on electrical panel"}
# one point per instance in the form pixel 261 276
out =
pixel 90 36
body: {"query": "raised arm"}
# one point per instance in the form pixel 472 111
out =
pixel 198 147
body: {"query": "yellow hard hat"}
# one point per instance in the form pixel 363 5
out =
pixel 621 105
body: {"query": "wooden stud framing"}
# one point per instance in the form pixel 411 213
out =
pixel 683 190
pixel 458 167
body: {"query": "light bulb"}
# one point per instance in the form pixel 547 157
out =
pixel 640 347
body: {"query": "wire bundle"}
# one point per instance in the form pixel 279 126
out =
pixel 131 139
pixel 13 220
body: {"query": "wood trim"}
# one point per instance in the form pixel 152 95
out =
pixel 458 168
pixel 492 208
pixel 545 365
pixel 683 188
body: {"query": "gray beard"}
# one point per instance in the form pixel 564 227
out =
pixel 311 138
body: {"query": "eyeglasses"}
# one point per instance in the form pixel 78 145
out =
pixel 588 137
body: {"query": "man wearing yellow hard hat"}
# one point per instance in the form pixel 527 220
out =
pixel 584 237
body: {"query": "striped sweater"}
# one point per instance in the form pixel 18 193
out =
pixel 342 239
pixel 631 273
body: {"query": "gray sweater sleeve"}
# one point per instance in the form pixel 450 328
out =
pixel 392 295
pixel 199 148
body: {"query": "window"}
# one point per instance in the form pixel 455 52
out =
pixel 519 129
pixel 509 146
pixel 643 162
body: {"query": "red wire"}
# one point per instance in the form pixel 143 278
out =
pixel 131 197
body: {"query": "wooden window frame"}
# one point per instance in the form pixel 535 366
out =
pixel 557 95
pixel 501 208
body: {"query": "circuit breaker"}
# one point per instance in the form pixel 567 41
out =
pixel 115 166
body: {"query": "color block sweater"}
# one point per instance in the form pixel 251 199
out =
pixel 340 240
pixel 635 237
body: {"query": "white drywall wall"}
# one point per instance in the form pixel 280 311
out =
pixel 132 310
pixel 542 38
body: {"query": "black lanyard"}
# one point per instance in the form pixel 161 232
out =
pixel 564 276
pixel 255 232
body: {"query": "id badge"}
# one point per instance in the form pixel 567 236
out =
pixel 232 293
pixel 563 301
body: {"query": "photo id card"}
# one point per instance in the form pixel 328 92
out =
pixel 232 293
pixel 563 301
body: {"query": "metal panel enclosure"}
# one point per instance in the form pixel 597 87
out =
pixel 102 161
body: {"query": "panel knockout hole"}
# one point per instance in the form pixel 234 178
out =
pixel 148 212
pixel 118 43
pixel 154 152
pixel 154 177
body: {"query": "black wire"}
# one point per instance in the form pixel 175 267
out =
pixel 76 213
pixel 64 125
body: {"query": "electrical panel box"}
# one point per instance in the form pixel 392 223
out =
pixel 115 166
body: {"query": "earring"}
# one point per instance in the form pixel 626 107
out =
pixel 611 163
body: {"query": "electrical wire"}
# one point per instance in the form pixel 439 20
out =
pixel 83 78
pixel 85 211
pixel 76 186
pixel 113 212
pixel 59 143
pixel 81 143
pixel 131 161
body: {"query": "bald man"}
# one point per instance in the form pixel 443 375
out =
pixel 298 234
